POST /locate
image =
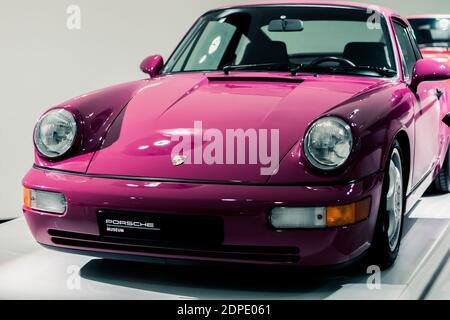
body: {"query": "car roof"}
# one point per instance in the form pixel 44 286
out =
pixel 385 11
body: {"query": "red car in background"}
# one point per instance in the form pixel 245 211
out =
pixel 433 36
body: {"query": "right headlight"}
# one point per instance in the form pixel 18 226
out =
pixel 328 143
pixel 55 133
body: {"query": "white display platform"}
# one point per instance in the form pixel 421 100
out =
pixel 28 271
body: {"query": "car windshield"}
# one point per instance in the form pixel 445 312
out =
pixel 255 36
pixel 432 32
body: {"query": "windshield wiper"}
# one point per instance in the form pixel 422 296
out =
pixel 336 69
pixel 296 68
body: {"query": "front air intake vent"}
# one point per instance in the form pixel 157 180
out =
pixel 222 252
pixel 255 79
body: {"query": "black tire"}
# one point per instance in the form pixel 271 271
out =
pixel 442 182
pixel 380 253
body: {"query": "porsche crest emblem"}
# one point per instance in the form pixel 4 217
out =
pixel 179 160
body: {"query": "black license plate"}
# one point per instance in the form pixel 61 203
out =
pixel 161 227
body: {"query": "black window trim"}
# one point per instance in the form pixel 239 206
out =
pixel 411 35
pixel 414 44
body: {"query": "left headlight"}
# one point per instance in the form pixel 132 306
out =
pixel 328 143
pixel 55 133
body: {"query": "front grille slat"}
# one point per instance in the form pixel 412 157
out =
pixel 242 253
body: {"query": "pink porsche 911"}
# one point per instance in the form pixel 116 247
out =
pixel 282 133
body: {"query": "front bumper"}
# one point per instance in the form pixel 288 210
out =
pixel 248 238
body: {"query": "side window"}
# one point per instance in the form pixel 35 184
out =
pixel 413 38
pixel 407 50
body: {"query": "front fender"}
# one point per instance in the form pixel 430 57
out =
pixel 376 119
pixel 95 113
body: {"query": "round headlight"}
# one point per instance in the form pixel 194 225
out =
pixel 55 133
pixel 328 143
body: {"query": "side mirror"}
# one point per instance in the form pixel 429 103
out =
pixel 447 119
pixel 429 70
pixel 152 65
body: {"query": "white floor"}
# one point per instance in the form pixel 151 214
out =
pixel 28 271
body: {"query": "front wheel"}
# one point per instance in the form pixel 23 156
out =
pixel 388 230
pixel 442 182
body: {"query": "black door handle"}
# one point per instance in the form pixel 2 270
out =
pixel 439 94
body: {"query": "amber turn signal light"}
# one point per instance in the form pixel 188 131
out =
pixel 319 217
pixel 348 214
pixel 27 198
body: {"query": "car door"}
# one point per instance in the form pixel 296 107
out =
pixel 427 108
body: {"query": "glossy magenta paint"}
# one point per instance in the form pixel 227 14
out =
pixel 117 122
pixel 152 65
pixel 429 70
pixel 95 113
pixel 175 102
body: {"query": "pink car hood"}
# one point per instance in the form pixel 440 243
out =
pixel 139 143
